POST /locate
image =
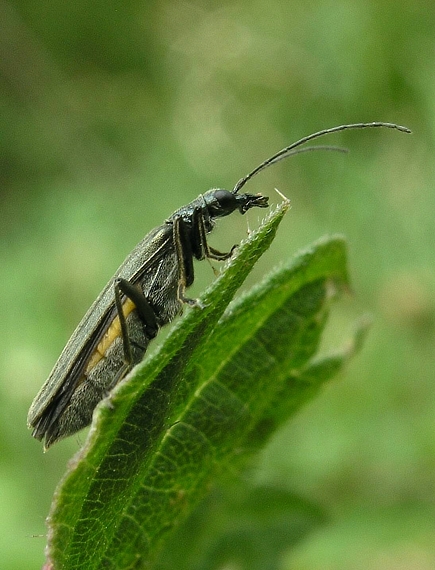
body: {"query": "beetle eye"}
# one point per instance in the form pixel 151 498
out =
pixel 227 200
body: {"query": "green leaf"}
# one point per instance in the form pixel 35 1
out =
pixel 215 391
pixel 243 527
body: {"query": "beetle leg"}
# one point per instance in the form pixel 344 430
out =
pixel 145 313
pixel 183 251
pixel 213 253
pixel 200 244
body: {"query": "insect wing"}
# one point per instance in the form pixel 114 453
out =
pixel 144 258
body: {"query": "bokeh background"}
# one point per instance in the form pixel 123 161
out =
pixel 114 114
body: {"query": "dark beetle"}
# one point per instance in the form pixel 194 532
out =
pixel 146 292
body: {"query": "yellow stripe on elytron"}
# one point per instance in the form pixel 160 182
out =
pixel 113 332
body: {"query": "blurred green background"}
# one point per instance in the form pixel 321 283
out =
pixel 114 114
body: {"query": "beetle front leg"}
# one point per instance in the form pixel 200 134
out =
pixel 201 248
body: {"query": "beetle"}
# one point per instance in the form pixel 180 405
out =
pixel 146 292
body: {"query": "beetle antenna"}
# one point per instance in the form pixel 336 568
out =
pixel 275 159
pixel 290 150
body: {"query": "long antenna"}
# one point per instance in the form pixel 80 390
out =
pixel 290 150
